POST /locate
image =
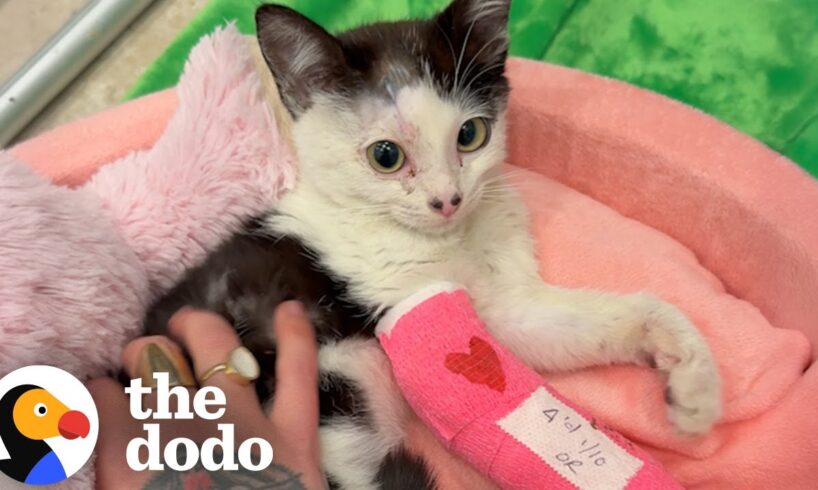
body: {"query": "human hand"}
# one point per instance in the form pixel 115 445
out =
pixel 291 426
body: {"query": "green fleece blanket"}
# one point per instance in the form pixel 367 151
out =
pixel 751 63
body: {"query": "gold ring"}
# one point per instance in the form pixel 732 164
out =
pixel 241 367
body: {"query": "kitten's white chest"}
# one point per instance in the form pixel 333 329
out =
pixel 384 269
pixel 383 262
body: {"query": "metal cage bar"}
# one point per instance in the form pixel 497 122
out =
pixel 62 58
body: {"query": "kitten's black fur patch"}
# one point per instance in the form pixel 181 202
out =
pixel 247 277
pixel 339 397
pixel 400 471
pixel 244 280
pixel 403 471
pixel 373 58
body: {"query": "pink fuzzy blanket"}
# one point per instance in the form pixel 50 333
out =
pixel 146 191
pixel 627 190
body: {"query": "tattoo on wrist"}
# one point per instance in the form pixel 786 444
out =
pixel 275 477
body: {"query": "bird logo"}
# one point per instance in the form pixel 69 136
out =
pixel 45 426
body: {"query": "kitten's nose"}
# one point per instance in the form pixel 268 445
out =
pixel 446 207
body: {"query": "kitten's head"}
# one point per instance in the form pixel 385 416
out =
pixel 400 119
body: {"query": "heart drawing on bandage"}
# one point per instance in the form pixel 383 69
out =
pixel 480 366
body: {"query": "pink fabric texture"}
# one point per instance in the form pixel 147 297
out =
pixel 78 265
pixel 628 191
pixel 495 412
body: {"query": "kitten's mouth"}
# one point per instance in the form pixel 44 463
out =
pixel 447 219
pixel 433 224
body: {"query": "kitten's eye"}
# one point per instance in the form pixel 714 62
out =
pixel 473 134
pixel 385 156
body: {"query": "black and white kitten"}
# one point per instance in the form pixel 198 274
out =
pixel 399 129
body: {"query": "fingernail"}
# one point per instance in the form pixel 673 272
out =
pixel 292 308
pixel 155 358
pixel 179 314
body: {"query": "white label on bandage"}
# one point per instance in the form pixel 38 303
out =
pixel 569 444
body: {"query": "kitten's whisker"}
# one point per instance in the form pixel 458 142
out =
pixel 503 193
pixel 498 181
pixel 495 180
pixel 498 197
pixel 498 184
pixel 514 182
pixel 365 204
pixel 371 213
pixel 489 200
pixel 483 72
pixel 511 187
pixel 451 47
pixel 477 55
pixel 513 171
pixel 462 52
pixel 506 178
pixel 374 211
pixel 373 207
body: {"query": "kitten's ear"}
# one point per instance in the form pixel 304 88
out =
pixel 302 56
pixel 478 29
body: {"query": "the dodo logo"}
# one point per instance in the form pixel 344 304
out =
pixel 48 425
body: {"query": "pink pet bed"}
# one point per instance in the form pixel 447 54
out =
pixel 629 190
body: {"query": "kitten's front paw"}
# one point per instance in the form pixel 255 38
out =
pixel 693 396
pixel 693 391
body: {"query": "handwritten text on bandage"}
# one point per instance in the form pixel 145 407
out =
pixel 568 443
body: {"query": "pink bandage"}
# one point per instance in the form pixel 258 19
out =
pixel 497 413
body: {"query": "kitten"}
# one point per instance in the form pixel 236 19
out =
pixel 400 131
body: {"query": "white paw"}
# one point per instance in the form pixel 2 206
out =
pixel 693 391
pixel 693 396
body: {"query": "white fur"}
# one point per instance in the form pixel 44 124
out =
pixel 352 453
pixel 378 232
pixel 363 362
pixel 305 57
pixel 388 321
